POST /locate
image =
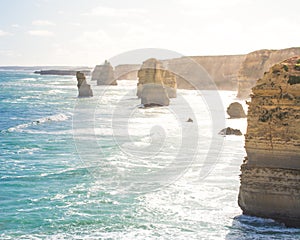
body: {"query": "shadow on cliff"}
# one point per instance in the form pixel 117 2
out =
pixel 246 227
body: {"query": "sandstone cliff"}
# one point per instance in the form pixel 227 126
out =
pixel 258 62
pixel 104 74
pixel 222 71
pixel 271 171
pixel 127 71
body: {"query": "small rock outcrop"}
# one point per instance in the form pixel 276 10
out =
pixel 84 89
pixel 190 120
pixel 104 74
pixel 271 171
pixel 151 86
pixel 235 110
pixel 230 131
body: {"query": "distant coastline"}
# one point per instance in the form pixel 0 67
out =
pixel 63 72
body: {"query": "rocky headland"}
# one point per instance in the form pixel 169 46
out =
pixel 271 171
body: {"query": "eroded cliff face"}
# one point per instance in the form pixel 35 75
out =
pixel 271 171
pixel 127 71
pixel 221 71
pixel 258 62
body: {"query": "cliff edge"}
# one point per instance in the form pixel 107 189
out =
pixel 258 62
pixel 271 171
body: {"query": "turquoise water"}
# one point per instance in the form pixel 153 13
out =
pixel 63 177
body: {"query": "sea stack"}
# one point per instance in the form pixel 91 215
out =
pixel 271 171
pixel 104 74
pixel 84 89
pixel 150 87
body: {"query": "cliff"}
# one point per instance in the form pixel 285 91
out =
pixel 127 71
pixel 221 69
pixel 258 62
pixel 271 171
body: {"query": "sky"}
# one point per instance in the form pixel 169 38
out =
pixel 86 32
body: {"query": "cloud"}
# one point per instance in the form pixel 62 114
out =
pixel 3 33
pixel 9 53
pixel 15 25
pixel 76 24
pixel 41 33
pixel 92 39
pixel 114 12
pixel 42 23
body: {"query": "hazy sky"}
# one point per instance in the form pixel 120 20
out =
pixel 85 32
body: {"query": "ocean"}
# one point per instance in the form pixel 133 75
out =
pixel 104 168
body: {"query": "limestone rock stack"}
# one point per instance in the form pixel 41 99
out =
pixel 84 89
pixel 156 85
pixel 258 62
pixel 104 74
pixel 271 171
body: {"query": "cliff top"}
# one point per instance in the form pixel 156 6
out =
pixel 282 77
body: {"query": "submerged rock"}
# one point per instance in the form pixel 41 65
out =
pixel 230 131
pixel 271 171
pixel 235 110
pixel 84 89
pixel 104 74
